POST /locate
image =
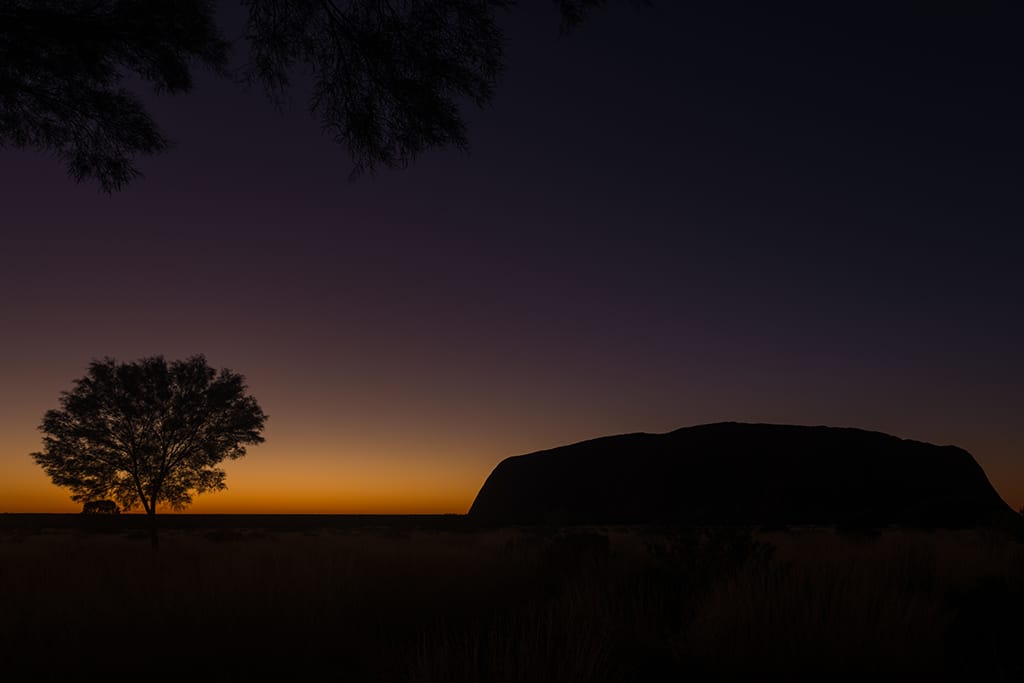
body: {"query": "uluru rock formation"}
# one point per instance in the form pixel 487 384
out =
pixel 735 473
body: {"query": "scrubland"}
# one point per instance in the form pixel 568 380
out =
pixel 515 604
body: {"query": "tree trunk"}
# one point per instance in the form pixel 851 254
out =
pixel 154 539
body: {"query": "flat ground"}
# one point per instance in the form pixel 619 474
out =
pixel 411 599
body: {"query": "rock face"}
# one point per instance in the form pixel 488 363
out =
pixel 734 473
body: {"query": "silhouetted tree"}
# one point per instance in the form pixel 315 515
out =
pixel 100 507
pixel 63 67
pixel 388 77
pixel 148 432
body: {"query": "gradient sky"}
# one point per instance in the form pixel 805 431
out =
pixel 669 217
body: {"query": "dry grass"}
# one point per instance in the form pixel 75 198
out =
pixel 508 605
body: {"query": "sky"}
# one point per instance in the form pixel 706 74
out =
pixel 673 215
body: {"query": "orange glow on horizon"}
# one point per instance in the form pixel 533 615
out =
pixel 267 482
pixel 313 463
pixel 394 501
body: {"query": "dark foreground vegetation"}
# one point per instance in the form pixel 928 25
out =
pixel 430 599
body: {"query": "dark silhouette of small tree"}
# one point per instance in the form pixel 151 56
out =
pixel 100 507
pixel 389 78
pixel 148 432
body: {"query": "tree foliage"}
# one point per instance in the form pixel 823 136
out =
pixel 387 76
pixel 148 432
pixel 390 79
pixel 63 69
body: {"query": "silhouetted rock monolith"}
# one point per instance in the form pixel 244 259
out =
pixel 748 474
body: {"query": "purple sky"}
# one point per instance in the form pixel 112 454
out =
pixel 667 217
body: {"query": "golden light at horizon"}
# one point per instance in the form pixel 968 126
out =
pixel 358 479
pixel 316 484
pixel 272 493
pixel 428 458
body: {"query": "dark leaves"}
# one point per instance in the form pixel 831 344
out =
pixel 388 78
pixel 149 432
pixel 62 68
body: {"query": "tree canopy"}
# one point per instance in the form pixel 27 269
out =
pixel 64 65
pixel 389 78
pixel 148 432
